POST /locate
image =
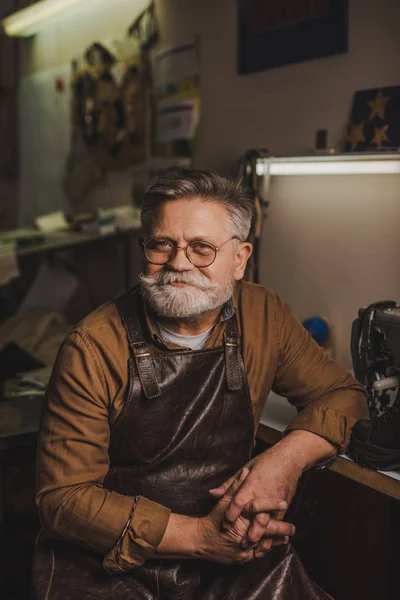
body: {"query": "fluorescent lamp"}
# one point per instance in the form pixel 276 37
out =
pixel 340 164
pixel 28 21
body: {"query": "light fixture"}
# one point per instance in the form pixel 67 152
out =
pixel 339 164
pixel 28 21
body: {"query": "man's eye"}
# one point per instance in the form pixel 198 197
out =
pixel 201 247
pixel 161 245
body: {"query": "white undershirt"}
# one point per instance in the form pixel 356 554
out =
pixel 194 342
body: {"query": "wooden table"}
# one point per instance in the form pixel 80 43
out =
pixel 278 413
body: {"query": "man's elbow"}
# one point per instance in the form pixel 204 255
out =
pixel 48 505
pixel 55 508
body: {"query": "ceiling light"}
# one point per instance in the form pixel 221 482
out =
pixel 341 164
pixel 28 21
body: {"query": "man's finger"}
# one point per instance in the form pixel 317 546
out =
pixel 223 488
pixel 270 505
pixel 279 528
pixel 256 530
pixel 280 541
pixel 241 498
pixel 235 484
pixel 280 515
pixel 264 526
pixel 263 547
pixel 243 502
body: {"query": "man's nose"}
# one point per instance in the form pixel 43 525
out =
pixel 180 262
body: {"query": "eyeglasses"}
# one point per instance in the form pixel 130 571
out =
pixel 200 254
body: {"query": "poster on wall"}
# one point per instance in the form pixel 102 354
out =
pixel 375 120
pixel 176 101
pixel 175 65
pixel 282 32
pixel 177 119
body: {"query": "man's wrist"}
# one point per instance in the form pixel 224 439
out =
pixel 305 448
pixel 181 538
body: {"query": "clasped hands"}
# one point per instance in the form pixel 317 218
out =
pixel 248 519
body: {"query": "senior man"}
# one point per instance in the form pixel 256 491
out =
pixel 146 483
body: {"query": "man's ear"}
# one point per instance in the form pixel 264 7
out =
pixel 242 256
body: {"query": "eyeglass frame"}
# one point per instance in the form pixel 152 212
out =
pixel 184 248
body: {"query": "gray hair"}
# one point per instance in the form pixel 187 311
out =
pixel 210 187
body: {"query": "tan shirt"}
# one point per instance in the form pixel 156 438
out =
pixel 87 392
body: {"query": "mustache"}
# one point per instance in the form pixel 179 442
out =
pixel 167 277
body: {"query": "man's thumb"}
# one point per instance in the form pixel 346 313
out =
pixel 232 482
pixel 220 491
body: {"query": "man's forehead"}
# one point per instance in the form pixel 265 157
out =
pixel 192 217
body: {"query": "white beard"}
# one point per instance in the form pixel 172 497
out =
pixel 185 303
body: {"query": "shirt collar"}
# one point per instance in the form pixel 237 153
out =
pixel 228 310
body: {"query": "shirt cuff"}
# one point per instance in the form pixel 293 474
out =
pixel 140 538
pixel 328 423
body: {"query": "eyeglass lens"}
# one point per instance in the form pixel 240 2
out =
pixel 160 252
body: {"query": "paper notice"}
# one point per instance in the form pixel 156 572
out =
pixel 173 66
pixel 177 119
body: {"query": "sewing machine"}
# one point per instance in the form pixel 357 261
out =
pixel 375 349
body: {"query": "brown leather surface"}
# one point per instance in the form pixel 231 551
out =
pixel 78 574
pixel 172 449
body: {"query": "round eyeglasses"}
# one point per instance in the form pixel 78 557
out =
pixel 199 253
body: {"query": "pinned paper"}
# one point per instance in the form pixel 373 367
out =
pixel 177 119
pixel 174 65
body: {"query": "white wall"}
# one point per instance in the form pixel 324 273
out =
pixel 331 244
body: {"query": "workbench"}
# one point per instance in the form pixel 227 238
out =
pixel 277 415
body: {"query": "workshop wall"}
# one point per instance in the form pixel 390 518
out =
pixel 279 109
pixel 321 249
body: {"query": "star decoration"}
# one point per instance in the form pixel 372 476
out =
pixel 380 136
pixel 356 134
pixel 378 105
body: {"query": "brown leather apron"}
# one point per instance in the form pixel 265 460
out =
pixel 187 425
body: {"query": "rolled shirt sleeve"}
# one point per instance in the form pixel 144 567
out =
pixel 329 399
pixel 73 462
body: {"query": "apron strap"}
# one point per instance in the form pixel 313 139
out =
pixel 127 306
pixel 233 359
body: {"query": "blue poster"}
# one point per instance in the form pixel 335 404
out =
pixel 273 33
pixel 375 120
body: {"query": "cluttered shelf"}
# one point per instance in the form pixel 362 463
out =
pixel 65 239
pixel 277 415
pixel 54 233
